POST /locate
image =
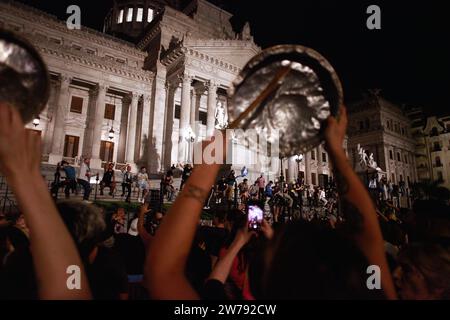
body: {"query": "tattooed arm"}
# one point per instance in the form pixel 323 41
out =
pixel 357 206
pixel 169 250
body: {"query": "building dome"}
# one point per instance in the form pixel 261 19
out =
pixel 128 18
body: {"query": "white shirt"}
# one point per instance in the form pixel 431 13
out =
pixel 83 170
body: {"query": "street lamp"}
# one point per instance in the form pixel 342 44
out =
pixel 190 138
pixel 298 159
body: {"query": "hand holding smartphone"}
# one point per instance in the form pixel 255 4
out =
pixel 255 217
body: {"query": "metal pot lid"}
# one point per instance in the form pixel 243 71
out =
pixel 298 108
pixel 24 79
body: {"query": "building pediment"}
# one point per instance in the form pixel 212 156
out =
pixel 236 52
pixel 433 122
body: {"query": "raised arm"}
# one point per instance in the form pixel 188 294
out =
pixel 52 247
pixel 169 250
pixel 356 202
pixel 145 236
pixel 224 264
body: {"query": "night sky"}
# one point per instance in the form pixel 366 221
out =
pixel 408 59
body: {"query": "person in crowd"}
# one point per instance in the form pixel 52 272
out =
pixel 221 189
pixel 108 180
pixel 269 190
pixel 423 272
pixel 127 180
pixel 301 261
pixel 253 191
pixel 56 184
pixel 243 190
pixel 51 246
pixel 105 272
pixel 230 180
pixel 216 235
pixel 261 186
pixel 143 183
pixel 169 189
pixel 71 178
pixel 322 197
pixel 187 169
pixel 84 178
pixel 119 221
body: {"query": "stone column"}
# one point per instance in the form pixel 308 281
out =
pixel 145 126
pixel 131 138
pixel 168 127
pixel 291 169
pixel 155 143
pixel 184 117
pixel 193 115
pixel 60 113
pixel 307 168
pixel 212 102
pixel 101 89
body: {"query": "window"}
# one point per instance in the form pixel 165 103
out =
pixel 367 124
pixel 434 132
pixel 448 127
pixel 399 159
pixel 150 13
pixel 388 125
pixel 393 178
pixel 313 178
pixel 313 154
pixel 71 146
pixel 130 15
pixel 76 47
pixel 120 18
pixel 361 125
pixel 391 156
pixel 440 176
pixel 401 178
pixel 396 128
pixel 119 60
pixel 90 51
pixel 106 151
pixel 76 105
pixel 324 157
pixel 436 146
pixel 177 111
pixel 203 116
pixel 406 159
pixel 403 131
pixel 110 111
pixel 438 162
pixel 139 14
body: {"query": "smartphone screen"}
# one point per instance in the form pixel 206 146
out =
pixel 255 217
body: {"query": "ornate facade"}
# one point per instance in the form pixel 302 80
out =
pixel 383 129
pixel 139 101
pixel 432 136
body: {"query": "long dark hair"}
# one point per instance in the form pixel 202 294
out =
pixel 310 261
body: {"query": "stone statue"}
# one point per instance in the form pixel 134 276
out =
pixel 246 33
pixel 221 117
pixel 363 158
pixel 372 162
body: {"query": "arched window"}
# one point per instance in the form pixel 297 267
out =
pixel 434 131
pixel 130 14
pixel 139 14
pixel 150 14
pixel 120 17
pixel 438 161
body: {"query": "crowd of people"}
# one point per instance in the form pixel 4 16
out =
pixel 169 255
